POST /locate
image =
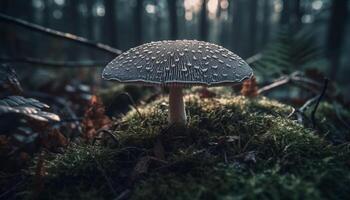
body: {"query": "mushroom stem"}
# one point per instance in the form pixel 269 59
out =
pixel 177 114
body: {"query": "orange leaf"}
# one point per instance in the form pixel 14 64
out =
pixel 250 88
pixel 94 118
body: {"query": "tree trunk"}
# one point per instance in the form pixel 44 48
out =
pixel 285 15
pixel 110 23
pixel 90 20
pixel 172 5
pixel 236 24
pixel 73 17
pixel 203 29
pixel 138 21
pixel 297 15
pixel 252 24
pixel 266 22
pixel 291 15
pixel 336 34
pixel 48 13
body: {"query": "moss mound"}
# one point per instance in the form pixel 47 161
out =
pixel 232 148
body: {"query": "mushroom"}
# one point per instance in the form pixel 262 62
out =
pixel 177 64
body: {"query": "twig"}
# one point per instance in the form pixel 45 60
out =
pixel 337 113
pixel 301 111
pixel 123 195
pixel 308 103
pixel 318 102
pixel 300 117
pixel 108 180
pixel 254 58
pixel 291 113
pixel 298 78
pixel 98 132
pixel 68 120
pixel 12 189
pixel 133 104
pixel 294 78
pixel 59 34
pixel 275 84
pixel 35 61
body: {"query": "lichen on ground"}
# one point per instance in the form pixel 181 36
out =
pixel 232 148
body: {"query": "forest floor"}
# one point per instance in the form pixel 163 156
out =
pixel 232 148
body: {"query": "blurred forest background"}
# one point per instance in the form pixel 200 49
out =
pixel 293 46
pixel 291 34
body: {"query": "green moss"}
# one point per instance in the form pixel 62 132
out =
pixel 232 148
pixel 227 182
pixel 332 121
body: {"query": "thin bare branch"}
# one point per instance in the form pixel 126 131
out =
pixel 295 78
pixel 49 63
pixel 58 34
pixel 308 103
pixel 318 102
pixel 253 58
pixel 104 131
pixel 133 104
pixel 276 84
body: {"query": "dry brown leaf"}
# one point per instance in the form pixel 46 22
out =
pixel 94 119
pixel 250 88
pixel 205 93
pixel 54 140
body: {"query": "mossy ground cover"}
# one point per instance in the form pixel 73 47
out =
pixel 232 148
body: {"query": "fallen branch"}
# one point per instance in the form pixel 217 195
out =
pixel 35 61
pixel 58 34
pixel 294 78
pixel 278 83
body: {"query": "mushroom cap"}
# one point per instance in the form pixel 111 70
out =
pixel 179 62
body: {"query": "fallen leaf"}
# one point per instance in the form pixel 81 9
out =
pixel 250 88
pixel 8 81
pixel 94 119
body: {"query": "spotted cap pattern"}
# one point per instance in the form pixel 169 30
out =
pixel 187 62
